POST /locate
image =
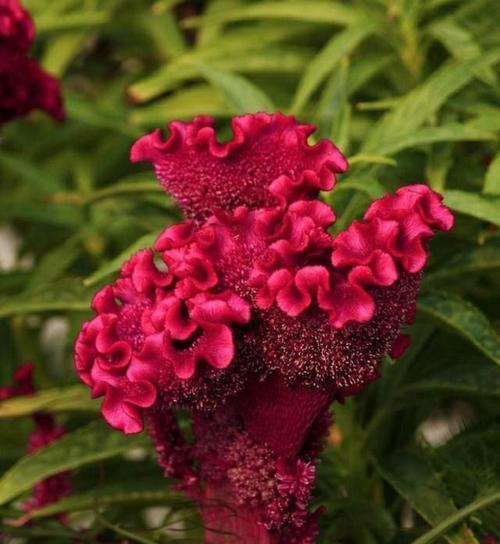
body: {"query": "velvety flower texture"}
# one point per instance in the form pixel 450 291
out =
pixel 253 316
pixel 45 432
pixel 24 86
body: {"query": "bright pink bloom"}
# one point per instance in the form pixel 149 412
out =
pixel 24 86
pixel 254 316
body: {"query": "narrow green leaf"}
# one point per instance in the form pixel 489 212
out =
pixel 416 107
pixel 63 295
pixel 464 318
pixel 82 447
pixel 125 188
pixel 492 181
pixel 453 132
pixel 115 264
pixel 481 259
pixel 371 159
pixel 38 178
pixel 484 207
pixel 69 399
pixel 308 11
pixel 184 104
pixel 469 380
pixel 453 519
pixel 327 59
pixel 414 479
pixel 72 21
pixel 363 184
pixel 138 491
pixel 241 95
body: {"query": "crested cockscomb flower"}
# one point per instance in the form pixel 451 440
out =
pixel 24 86
pixel 253 316
pixel 45 432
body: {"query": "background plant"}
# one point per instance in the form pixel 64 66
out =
pixel 409 90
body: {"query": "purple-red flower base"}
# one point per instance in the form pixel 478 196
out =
pixel 24 86
pixel 253 315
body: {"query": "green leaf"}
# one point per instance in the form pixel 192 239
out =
pixel 184 104
pixel 475 260
pixel 82 447
pixel 63 295
pixel 468 380
pixel 453 132
pixel 268 60
pixel 420 104
pixel 327 59
pixel 309 11
pixel 33 175
pixel 69 399
pixel 363 184
pixel 414 479
pixel 71 21
pixel 115 264
pixel 486 208
pixel 464 318
pixel 492 181
pixel 138 491
pixel 453 519
pixel 241 95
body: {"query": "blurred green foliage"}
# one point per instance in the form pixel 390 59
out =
pixel 409 89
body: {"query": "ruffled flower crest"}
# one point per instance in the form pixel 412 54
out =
pixel 252 314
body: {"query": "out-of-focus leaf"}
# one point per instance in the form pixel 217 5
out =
pixel 425 100
pixel 61 51
pixel 481 259
pixel 54 263
pixel 453 519
pixel 413 478
pixel 123 189
pixel 363 184
pixel 461 44
pixel 184 104
pixel 486 208
pixel 480 381
pixel 37 177
pixel 271 60
pixel 87 113
pixel 71 21
pixel 492 181
pixel 309 11
pixel 452 132
pixel 464 318
pixel 341 44
pixel 82 447
pixel 64 295
pixel 114 265
pixel 69 399
pixel 241 95
pixel 141 491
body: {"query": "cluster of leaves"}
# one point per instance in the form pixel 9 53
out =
pixel 409 90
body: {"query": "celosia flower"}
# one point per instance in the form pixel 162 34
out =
pixel 24 86
pixel 254 316
pixel 46 432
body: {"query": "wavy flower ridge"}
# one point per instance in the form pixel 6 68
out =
pixel 253 315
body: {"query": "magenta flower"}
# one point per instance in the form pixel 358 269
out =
pixel 46 432
pixel 254 317
pixel 24 86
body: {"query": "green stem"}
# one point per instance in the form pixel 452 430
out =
pixel 458 516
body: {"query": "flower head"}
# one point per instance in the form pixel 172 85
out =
pixel 24 86
pixel 252 314
pixel 16 26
